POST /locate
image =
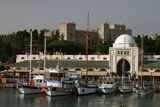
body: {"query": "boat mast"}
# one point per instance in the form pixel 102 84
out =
pixel 142 57
pixel 44 53
pixel 30 70
pixel 87 48
pixel 123 64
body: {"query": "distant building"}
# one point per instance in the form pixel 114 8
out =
pixel 103 34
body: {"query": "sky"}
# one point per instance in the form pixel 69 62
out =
pixel 142 16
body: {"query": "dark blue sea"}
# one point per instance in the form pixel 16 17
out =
pixel 10 97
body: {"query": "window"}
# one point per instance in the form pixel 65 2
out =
pixel 92 58
pixel 118 52
pixel 121 52
pixel 104 58
pixel 68 58
pixel 80 58
pixel 158 58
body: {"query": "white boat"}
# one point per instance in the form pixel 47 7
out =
pixel 125 89
pixel 60 83
pixel 108 86
pixel 146 89
pixel 88 89
pixel 34 86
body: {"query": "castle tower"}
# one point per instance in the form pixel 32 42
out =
pixel 104 32
pixel 68 31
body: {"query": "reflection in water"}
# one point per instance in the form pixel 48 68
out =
pixel 12 98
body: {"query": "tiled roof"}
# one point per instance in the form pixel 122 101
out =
pixel 151 64
pixel 63 63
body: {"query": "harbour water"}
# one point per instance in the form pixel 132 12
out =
pixel 10 97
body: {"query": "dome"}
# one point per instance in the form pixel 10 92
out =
pixel 125 38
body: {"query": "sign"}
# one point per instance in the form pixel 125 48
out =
pixel 4 80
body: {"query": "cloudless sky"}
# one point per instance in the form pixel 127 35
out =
pixel 142 16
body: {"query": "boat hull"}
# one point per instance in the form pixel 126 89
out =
pixel 107 90
pixel 29 90
pixel 143 91
pixel 125 89
pixel 86 90
pixel 50 91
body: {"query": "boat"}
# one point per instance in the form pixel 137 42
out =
pixel 86 88
pixel 143 88
pixel 34 84
pixel 108 86
pixel 124 88
pixel 60 82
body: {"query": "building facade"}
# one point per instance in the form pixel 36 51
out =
pixel 124 50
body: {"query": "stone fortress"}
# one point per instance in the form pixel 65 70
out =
pixel 103 34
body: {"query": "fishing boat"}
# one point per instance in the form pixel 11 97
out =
pixel 60 82
pixel 34 84
pixel 108 86
pixel 86 88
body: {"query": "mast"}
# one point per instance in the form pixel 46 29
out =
pixel 123 64
pixel 30 70
pixel 44 53
pixel 142 57
pixel 87 48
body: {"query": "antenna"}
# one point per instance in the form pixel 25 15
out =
pixel 87 48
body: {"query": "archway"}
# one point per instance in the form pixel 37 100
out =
pixel 120 67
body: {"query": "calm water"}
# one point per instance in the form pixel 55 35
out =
pixel 12 98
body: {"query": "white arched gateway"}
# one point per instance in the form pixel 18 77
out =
pixel 125 49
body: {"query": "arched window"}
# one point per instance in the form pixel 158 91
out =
pixel 90 70
pixel 102 69
pixel 57 58
pixel 68 58
pixel 145 71
pixel 77 69
pixel 92 58
pixel 104 58
pixel 80 58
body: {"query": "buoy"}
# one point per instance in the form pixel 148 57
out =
pixel 42 90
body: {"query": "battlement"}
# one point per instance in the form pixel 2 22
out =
pixel 117 27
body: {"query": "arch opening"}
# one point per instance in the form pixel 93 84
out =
pixel 123 66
